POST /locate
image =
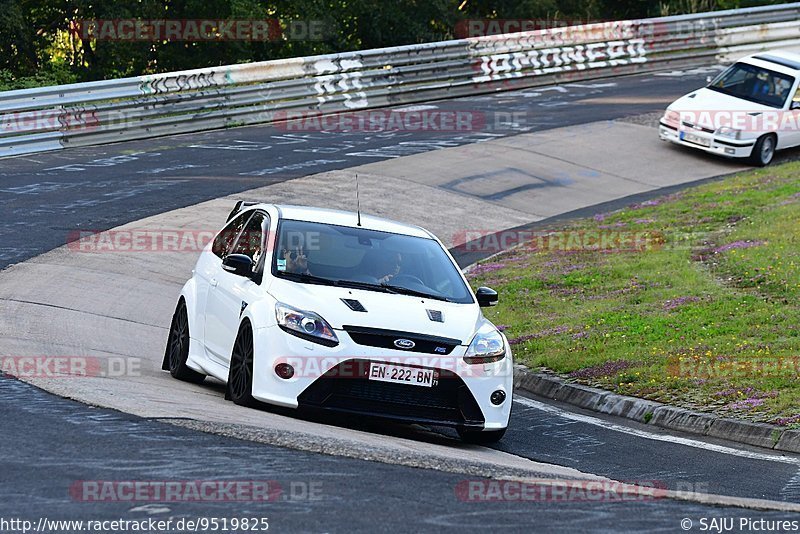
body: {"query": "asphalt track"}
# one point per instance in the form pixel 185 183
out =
pixel 48 196
pixel 321 493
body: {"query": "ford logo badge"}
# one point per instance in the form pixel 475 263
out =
pixel 405 344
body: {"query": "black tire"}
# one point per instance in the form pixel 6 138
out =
pixel 478 437
pixel 764 150
pixel 240 375
pixel 178 348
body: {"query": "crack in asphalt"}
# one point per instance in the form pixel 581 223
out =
pixel 84 312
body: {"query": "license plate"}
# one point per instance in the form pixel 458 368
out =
pixel 398 374
pixel 696 139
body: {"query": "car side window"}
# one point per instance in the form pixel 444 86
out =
pixel 250 242
pixel 224 241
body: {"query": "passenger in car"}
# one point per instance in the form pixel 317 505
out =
pixel 296 261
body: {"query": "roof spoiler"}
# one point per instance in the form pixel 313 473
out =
pixel 240 205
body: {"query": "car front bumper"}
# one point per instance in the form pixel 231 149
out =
pixel 708 142
pixel 460 396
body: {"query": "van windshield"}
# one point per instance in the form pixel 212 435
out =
pixel 319 253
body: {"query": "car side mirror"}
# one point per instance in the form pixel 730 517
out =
pixel 486 297
pixel 795 104
pixel 709 79
pixel 238 264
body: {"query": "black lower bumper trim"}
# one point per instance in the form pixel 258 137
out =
pixel 346 389
pixel 735 145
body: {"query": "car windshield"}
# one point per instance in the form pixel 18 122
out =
pixel 319 253
pixel 755 84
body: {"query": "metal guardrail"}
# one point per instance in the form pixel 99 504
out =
pixel 51 118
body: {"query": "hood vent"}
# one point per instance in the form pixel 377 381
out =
pixel 435 316
pixel 354 305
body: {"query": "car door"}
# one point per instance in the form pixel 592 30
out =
pixel 210 262
pixel 229 294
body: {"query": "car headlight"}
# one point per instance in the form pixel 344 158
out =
pixel 487 346
pixel 730 133
pixel 672 117
pixel 305 324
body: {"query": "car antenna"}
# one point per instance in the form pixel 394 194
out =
pixel 358 202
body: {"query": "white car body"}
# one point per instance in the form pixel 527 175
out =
pixel 708 119
pixel 218 303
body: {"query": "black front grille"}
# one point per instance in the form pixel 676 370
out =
pixel 696 127
pixel 385 339
pixel 346 388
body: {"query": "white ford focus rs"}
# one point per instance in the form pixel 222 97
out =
pixel 749 111
pixel 329 310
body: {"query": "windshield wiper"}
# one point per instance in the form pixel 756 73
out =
pixel 384 288
pixel 308 278
pixel 413 292
pixel 363 285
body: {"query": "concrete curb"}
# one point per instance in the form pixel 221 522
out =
pixel 654 413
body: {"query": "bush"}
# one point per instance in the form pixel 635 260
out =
pixel 53 74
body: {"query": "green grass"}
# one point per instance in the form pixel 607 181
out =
pixel 704 316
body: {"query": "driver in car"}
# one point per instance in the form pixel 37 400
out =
pixel 388 267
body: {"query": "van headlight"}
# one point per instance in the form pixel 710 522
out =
pixel 730 133
pixel 305 324
pixel 487 346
